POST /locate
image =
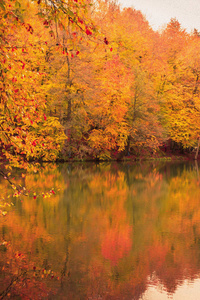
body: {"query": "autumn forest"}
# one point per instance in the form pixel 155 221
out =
pixel 88 89
pixel 83 79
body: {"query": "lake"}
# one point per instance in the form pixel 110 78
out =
pixel 101 231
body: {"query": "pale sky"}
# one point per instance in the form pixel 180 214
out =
pixel 159 12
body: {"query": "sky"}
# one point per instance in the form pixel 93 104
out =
pixel 159 12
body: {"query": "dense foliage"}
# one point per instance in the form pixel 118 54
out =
pixel 83 79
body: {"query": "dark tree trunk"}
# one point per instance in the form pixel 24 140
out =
pixel 197 152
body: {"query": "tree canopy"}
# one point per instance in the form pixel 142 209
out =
pixel 87 79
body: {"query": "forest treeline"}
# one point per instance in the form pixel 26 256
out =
pixel 88 79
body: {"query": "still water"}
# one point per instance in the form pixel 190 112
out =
pixel 101 231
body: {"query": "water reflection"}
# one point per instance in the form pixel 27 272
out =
pixel 107 231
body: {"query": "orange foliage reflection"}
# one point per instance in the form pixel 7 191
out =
pixel 110 232
pixel 116 244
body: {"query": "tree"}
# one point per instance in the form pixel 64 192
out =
pixel 27 131
pixel 181 92
pixel 137 52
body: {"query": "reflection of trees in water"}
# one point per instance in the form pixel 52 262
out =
pixel 110 227
pixel 25 232
pixel 197 169
pixel 173 253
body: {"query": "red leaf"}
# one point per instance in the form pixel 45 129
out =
pixel 45 118
pixel 80 21
pixel 16 91
pixel 34 197
pixel 77 52
pixel 111 49
pixel 88 32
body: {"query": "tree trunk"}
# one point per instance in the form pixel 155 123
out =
pixel 197 152
pixel 127 147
